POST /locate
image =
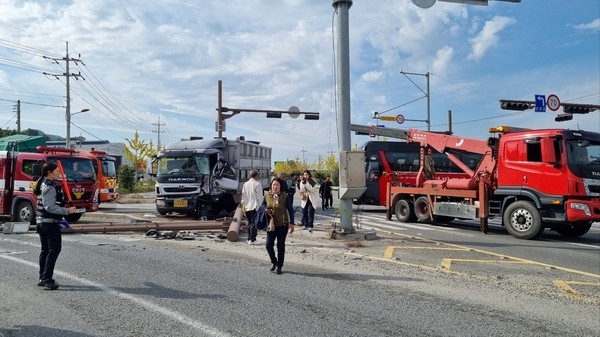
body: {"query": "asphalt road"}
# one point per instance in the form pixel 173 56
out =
pixel 129 285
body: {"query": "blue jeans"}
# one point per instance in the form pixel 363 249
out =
pixel 51 241
pixel 280 234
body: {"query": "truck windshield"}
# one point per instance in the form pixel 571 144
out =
pixel 108 168
pixel 583 157
pixel 197 164
pixel 76 168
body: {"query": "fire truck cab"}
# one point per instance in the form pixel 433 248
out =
pixel 19 172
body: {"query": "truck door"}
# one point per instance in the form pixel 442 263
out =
pixel 533 164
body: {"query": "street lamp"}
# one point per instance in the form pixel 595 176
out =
pixel 69 114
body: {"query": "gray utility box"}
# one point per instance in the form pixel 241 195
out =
pixel 352 174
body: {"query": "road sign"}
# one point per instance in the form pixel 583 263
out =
pixel 400 119
pixel 553 102
pixel 387 118
pixel 294 112
pixel 540 103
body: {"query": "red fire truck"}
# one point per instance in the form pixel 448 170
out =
pixel 19 172
pixel 532 179
pixel 106 173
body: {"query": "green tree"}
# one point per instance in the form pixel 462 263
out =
pixel 138 151
pixel 126 176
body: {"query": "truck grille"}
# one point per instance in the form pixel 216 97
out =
pixel 180 190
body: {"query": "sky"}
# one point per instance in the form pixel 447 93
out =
pixel 153 67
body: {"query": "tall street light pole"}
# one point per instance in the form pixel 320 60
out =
pixel 68 117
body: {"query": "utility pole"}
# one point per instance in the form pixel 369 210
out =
pixel 18 107
pixel 67 75
pixel 427 94
pixel 158 131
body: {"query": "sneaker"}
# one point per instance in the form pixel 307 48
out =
pixel 249 242
pixel 310 230
pixel 255 243
pixel 278 271
pixel 40 283
pixel 273 266
pixel 305 228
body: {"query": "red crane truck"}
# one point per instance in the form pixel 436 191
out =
pixel 19 172
pixel 532 179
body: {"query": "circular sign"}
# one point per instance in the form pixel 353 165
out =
pixel 294 112
pixel 552 102
pixel 400 119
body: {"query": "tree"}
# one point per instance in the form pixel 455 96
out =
pixel 137 151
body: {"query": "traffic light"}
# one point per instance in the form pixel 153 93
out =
pixel 516 105
pixel 273 114
pixel 573 108
pixel 563 117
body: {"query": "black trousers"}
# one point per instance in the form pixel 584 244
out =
pixel 252 232
pixel 51 241
pixel 280 234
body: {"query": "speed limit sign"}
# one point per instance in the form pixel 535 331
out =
pixel 400 119
pixel 553 103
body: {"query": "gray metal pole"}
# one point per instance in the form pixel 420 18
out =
pixel 342 53
pixel 68 112
pixel 428 104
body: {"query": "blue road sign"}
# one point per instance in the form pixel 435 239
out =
pixel 540 103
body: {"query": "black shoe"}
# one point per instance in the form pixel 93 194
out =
pixel 40 283
pixel 273 267
pixel 278 271
pixel 50 285
pixel 305 228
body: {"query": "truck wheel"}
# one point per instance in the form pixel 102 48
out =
pixel 574 228
pixel 405 211
pixel 522 220
pixel 73 217
pixel 422 208
pixel 26 213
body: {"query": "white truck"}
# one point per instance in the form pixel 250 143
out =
pixel 204 177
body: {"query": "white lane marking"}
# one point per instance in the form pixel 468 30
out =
pixel 141 302
pixel 581 244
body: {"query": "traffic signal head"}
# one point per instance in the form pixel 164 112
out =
pixel 578 108
pixel 273 114
pixel 563 117
pixel 516 105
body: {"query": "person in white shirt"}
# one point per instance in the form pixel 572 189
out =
pixel 252 197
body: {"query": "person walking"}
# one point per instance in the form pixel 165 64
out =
pixel 252 197
pixel 308 196
pixel 47 226
pixel 277 211
pixel 328 192
pixel 291 185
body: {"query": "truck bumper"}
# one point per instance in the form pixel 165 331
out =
pixel 180 204
pixel 582 210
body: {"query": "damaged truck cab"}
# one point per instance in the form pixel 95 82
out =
pixel 204 177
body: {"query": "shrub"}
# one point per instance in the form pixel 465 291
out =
pixel 126 178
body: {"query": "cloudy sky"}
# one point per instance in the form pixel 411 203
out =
pixel 145 63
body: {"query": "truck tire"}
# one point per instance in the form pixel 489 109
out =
pixel 522 220
pixel 405 211
pixel 422 208
pixel 73 217
pixel 25 212
pixel 574 229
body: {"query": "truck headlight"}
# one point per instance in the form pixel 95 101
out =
pixel 582 207
pixel 160 203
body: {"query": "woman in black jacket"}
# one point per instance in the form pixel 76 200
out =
pixel 48 228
